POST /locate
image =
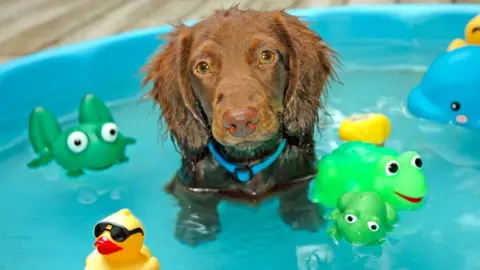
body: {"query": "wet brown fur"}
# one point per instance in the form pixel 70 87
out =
pixel 288 95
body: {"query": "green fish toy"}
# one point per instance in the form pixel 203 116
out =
pixel 94 144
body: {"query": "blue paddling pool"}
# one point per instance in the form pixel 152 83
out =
pixel 47 218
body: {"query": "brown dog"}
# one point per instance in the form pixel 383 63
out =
pixel 240 93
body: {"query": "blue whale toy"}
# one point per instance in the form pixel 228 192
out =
pixel 450 90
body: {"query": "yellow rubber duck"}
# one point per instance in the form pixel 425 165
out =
pixel 119 245
pixel 472 35
pixel 372 128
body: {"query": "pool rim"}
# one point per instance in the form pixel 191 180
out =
pixel 83 46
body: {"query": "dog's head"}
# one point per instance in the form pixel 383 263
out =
pixel 243 77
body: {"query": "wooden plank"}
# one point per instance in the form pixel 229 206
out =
pixel 44 12
pixel 170 12
pixel 45 34
pixel 274 4
pixel 5 2
pixel 209 6
pixel 153 16
pixel 11 8
pixel 4 59
pixel 369 2
pixel 112 22
pixel 321 3
pixel 29 25
pixel 423 1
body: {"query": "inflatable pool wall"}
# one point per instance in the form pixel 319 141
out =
pixel 110 67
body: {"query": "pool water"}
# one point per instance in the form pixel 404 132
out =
pixel 49 218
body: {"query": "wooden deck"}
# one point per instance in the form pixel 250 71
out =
pixel 27 26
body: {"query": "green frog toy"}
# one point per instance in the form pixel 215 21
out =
pixel 362 218
pixel 397 178
pixel 94 144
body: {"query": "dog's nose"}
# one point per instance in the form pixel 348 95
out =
pixel 241 122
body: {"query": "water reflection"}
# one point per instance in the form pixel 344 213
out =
pixel 314 257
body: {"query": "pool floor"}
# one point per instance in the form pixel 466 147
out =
pixel 46 219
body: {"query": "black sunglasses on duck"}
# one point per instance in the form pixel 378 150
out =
pixel 118 232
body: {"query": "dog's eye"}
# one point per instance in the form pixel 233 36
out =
pixel 267 57
pixel 203 68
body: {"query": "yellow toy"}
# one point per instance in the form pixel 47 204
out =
pixel 372 128
pixel 472 35
pixel 119 245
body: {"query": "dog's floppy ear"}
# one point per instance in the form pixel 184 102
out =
pixel 310 63
pixel 168 71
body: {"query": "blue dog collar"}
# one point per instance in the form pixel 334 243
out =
pixel 245 173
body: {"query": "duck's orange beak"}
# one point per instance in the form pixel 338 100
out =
pixel 105 246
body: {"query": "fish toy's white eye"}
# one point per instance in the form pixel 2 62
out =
pixel 350 218
pixel 109 132
pixel 417 162
pixel 77 142
pixel 373 226
pixel 392 168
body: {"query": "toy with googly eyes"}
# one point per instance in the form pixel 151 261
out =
pixel 362 219
pixel 94 144
pixel 448 92
pixel 397 178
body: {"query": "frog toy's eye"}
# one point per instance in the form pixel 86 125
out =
pixel 109 132
pixel 77 142
pixel 417 162
pixel 350 218
pixel 392 168
pixel 373 226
